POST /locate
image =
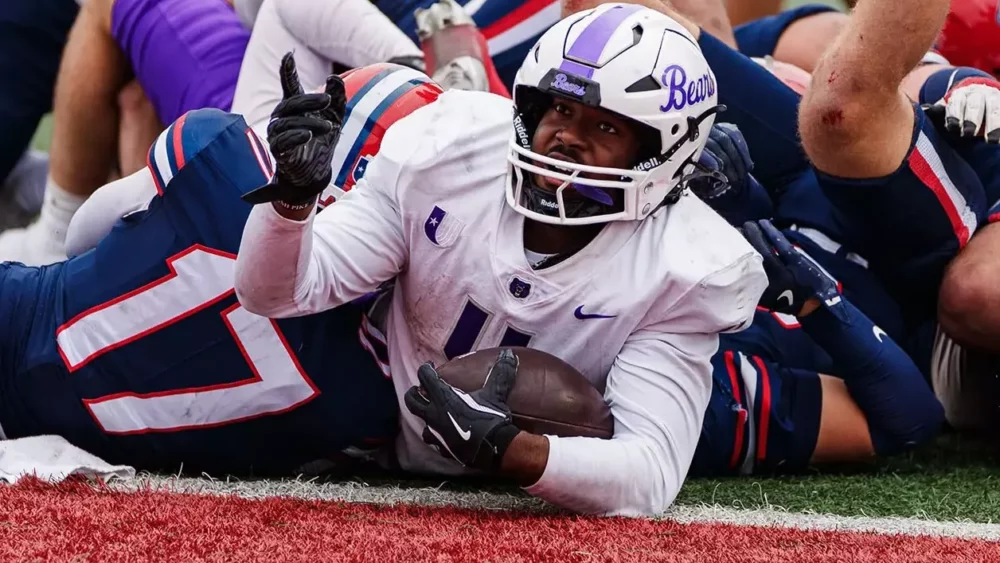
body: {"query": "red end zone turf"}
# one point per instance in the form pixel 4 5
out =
pixel 74 522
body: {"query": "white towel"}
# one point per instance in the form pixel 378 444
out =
pixel 52 459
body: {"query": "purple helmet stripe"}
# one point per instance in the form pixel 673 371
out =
pixel 591 42
pixel 577 69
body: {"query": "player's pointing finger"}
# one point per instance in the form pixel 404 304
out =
pixel 290 85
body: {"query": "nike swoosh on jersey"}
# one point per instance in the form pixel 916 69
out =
pixel 464 434
pixel 578 313
pixel 879 333
pixel 787 294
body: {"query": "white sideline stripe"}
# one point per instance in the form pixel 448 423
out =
pixel 829 522
pixel 354 491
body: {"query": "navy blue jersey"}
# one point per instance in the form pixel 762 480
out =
pixel 763 415
pixel 984 158
pixel 139 352
pixel 909 224
pixel 511 27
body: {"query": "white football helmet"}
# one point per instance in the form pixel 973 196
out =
pixel 637 63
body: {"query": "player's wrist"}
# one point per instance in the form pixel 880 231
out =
pixel 525 458
pixel 297 205
pixel 294 210
pixel 809 307
pixel 501 441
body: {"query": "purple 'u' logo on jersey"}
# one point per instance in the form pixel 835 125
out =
pixel 680 92
pixel 432 224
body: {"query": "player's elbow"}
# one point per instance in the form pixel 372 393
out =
pixel 968 301
pixel 922 425
pixel 255 296
pixel 652 484
pixel 249 298
pixel 660 483
pixel 833 116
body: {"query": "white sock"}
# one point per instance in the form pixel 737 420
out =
pixel 28 180
pixel 57 211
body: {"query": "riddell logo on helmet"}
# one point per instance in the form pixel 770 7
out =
pixel 682 93
pixel 522 132
pixel 648 164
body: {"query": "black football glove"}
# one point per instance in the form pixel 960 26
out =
pixel 726 158
pixel 793 276
pixel 473 428
pixel 302 135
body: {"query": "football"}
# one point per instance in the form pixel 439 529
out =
pixel 549 395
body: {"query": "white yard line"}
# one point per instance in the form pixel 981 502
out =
pixel 357 491
pixel 805 521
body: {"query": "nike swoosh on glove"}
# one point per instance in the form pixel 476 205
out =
pixel 972 108
pixel 302 136
pixel 473 428
pixel 793 276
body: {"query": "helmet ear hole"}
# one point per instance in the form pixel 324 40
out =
pixel 674 129
pixel 693 129
pixel 650 142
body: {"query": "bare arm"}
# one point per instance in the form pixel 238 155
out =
pixel 290 265
pixel 711 15
pixel 742 11
pixel 854 120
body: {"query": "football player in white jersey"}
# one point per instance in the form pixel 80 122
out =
pixel 569 232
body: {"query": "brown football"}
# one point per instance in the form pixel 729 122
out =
pixel 549 395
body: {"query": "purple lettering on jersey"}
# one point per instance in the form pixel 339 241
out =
pixel 680 92
pixel 514 338
pixel 589 45
pixel 562 83
pixel 469 328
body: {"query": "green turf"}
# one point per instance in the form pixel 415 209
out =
pixel 43 136
pixel 954 479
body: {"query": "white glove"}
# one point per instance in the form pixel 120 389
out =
pixel 972 104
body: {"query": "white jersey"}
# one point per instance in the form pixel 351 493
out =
pixel 637 311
